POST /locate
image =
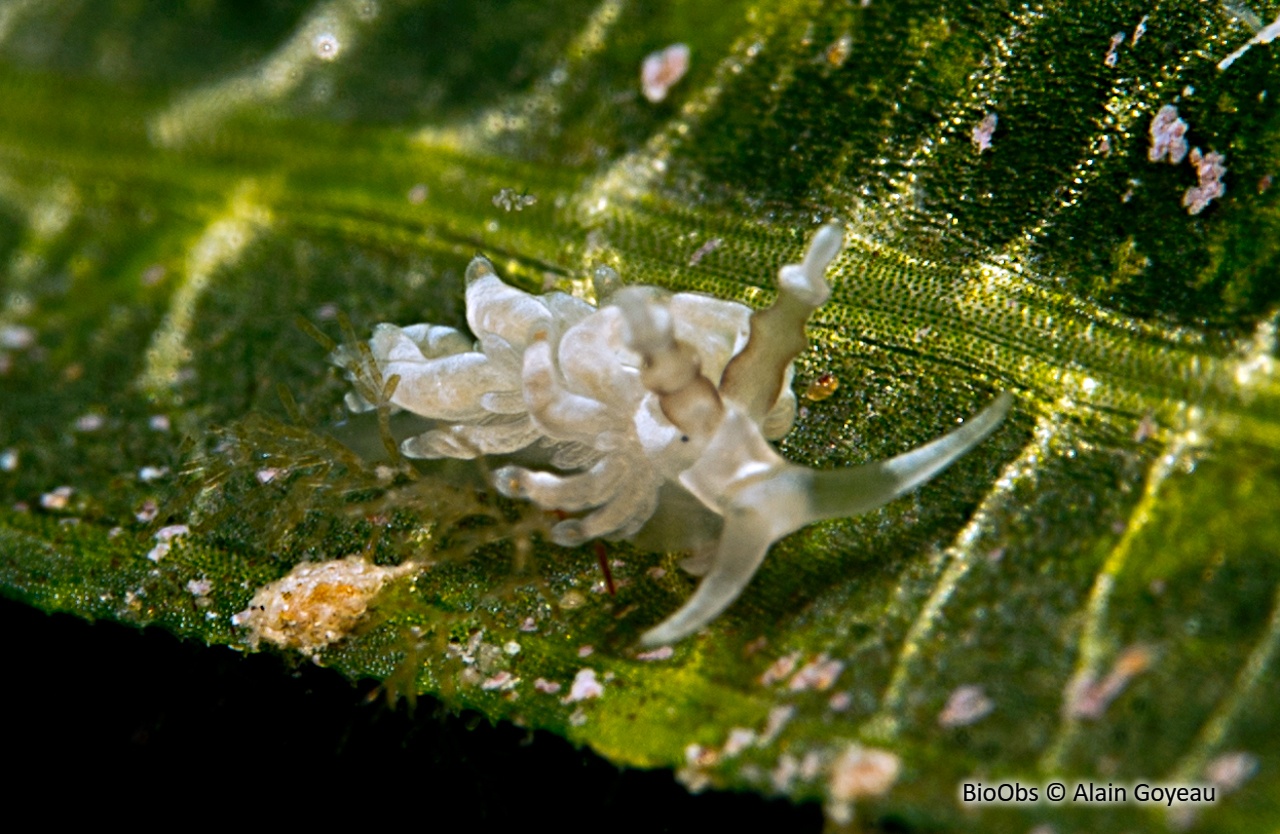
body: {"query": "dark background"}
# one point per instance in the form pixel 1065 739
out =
pixel 154 722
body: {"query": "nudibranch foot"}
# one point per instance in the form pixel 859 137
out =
pixel 655 410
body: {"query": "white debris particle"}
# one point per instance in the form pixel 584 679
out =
pixel 326 46
pixel 56 499
pixel 1209 169
pixel 266 476
pixel 577 718
pixel 511 647
pixel 502 681
pixel 982 132
pixel 153 275
pixel 819 674
pixel 966 705
pixel 418 194
pixel 840 702
pixel 200 587
pixel 584 686
pixel 784 773
pixel 660 653
pixel 529 624
pixel 17 337
pixel 315 604
pixel 811 765
pixel 585 651
pixel 662 69
pixel 860 771
pixel 147 474
pixel 1113 56
pixel 1147 428
pixel 781 668
pixel 656 572
pixel 467 653
pixel 158 422
pixel 572 600
pixel 147 512
pixel 1139 31
pixel 694 779
pixel 693 775
pixel 1188 91
pixel 90 422
pixel 774 724
pixel 839 50
pixel 1230 771
pixel 8 460
pixel 740 738
pixel 164 540
pixel 508 199
pixel 1241 12
pixel 544 685
pixel 1088 697
pixel 489 658
pixel 705 249
pixel 1168 134
pixel 697 755
pixel 1264 35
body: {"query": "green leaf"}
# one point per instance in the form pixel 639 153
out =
pixel 1092 594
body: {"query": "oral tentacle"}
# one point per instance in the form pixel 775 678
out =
pixel 839 493
pixel 761 513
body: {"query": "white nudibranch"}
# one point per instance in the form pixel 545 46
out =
pixel 654 413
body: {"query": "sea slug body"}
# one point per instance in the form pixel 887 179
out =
pixel 654 413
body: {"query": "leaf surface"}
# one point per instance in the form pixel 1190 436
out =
pixel 1092 594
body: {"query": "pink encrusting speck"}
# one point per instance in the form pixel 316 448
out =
pixel 1209 169
pixel 661 70
pixel 1168 133
pixel 584 686
pixel 983 131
